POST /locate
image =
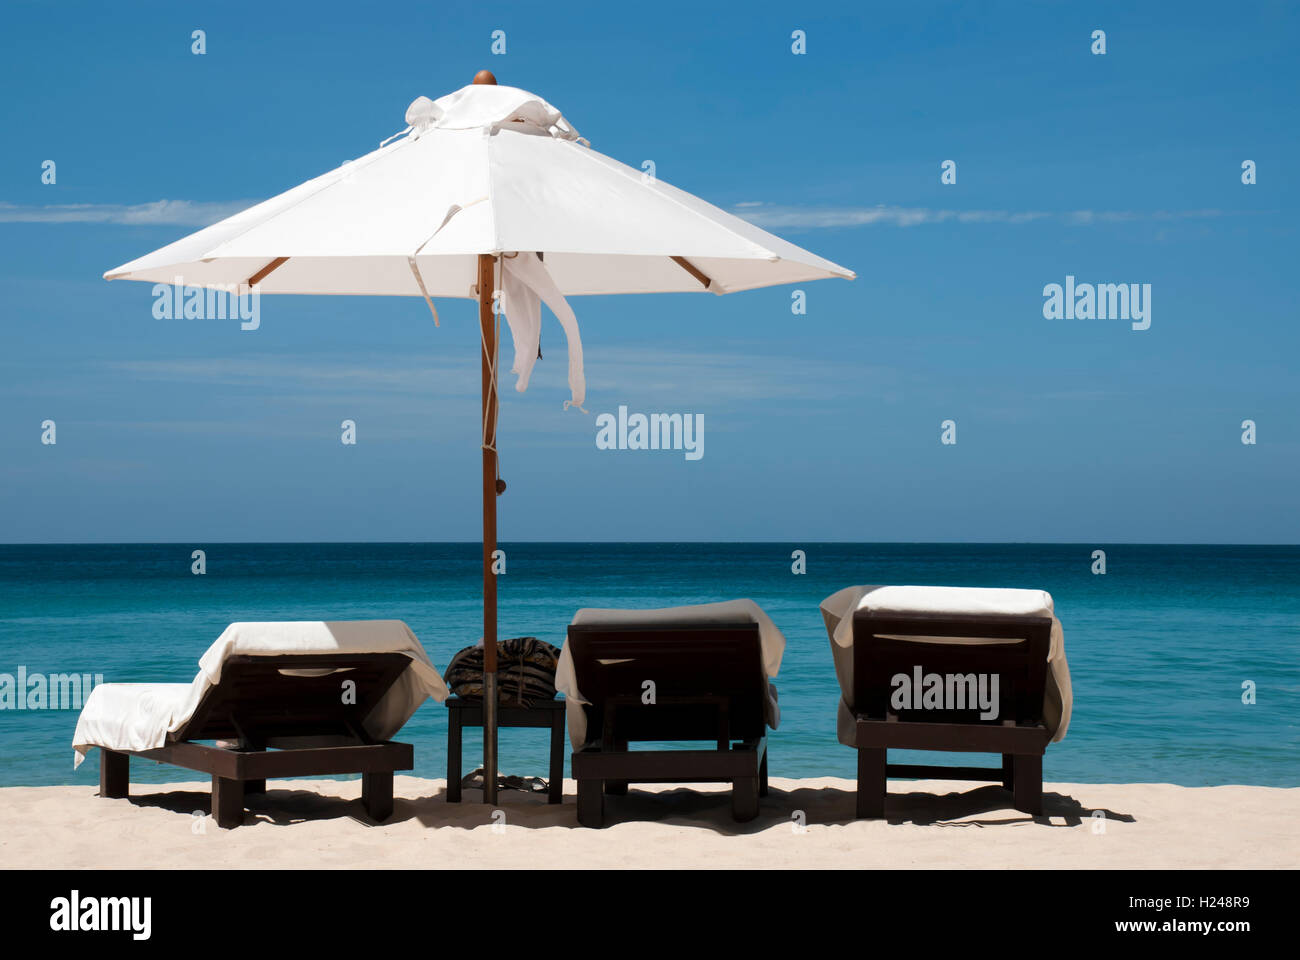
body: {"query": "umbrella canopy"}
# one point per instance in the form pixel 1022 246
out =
pixel 487 169
pixel 487 187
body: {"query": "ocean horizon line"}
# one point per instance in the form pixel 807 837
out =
pixel 786 541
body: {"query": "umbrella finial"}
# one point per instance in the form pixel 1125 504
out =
pixel 485 76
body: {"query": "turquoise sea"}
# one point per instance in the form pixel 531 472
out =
pixel 1158 647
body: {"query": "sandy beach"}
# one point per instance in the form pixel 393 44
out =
pixel 320 824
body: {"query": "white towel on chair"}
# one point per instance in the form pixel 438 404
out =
pixel 140 716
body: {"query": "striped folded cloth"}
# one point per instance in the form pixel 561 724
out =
pixel 525 672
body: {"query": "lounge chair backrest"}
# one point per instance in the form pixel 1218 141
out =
pixel 1021 665
pixel 709 682
pixel 260 697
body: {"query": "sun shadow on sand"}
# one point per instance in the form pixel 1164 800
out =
pixel 279 807
pixel 958 808
pixel 824 805
pixel 986 806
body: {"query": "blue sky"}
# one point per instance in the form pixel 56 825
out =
pixel 1122 168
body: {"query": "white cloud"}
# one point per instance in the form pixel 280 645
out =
pixel 794 217
pixel 183 213
pixel 397 375
pixel 662 378
pixel 188 213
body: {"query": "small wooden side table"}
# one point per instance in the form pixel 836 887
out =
pixel 466 713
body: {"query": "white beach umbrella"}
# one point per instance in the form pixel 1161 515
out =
pixel 488 187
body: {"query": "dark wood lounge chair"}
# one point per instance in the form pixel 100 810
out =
pixel 256 703
pixel 1019 733
pixel 709 685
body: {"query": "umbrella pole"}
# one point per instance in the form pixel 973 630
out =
pixel 487 327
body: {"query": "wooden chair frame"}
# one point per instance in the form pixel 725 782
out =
pixel 255 703
pixel 709 685
pixel 1018 734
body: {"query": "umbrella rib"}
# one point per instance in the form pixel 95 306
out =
pixel 693 270
pixel 262 274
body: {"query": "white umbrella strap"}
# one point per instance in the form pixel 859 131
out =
pixel 532 272
pixel 415 269
pixel 399 133
pixel 454 209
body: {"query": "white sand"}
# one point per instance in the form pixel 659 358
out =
pixel 320 823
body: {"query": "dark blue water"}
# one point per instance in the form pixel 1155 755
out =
pixel 1158 647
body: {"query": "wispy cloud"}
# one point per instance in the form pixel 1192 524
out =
pixel 395 376
pixel 190 213
pixel 793 217
pixel 183 213
pixel 643 376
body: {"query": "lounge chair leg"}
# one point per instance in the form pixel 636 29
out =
pixel 591 803
pixel 1008 770
pixel 762 776
pixel 744 799
pixel 114 774
pixel 617 788
pixel 871 782
pixel 556 784
pixel 227 802
pixel 453 756
pixel 254 786
pixel 1028 787
pixel 377 794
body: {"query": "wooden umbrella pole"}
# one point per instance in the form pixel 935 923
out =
pixel 490 349
pixel 491 489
